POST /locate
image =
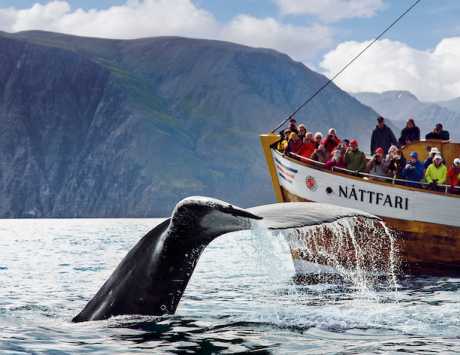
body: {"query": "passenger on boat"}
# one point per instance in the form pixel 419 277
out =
pixel 337 160
pixel 438 133
pixel 454 176
pixel 409 134
pixel 294 143
pixel 429 160
pixel 320 154
pixel 355 159
pixel 283 142
pixel 413 171
pixel 346 142
pixel 382 136
pixel 308 146
pixel 318 138
pixel 302 131
pixel 375 166
pixel 331 141
pixel 293 125
pixel 436 174
pixel 394 162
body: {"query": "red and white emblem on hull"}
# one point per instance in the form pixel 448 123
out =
pixel 311 183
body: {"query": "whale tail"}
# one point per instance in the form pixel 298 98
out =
pixel 152 277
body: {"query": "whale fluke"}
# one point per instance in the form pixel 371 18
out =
pixel 152 277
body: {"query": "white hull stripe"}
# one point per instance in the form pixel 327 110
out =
pixel 380 200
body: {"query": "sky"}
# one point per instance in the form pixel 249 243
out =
pixel 420 54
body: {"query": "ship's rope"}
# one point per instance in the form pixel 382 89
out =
pixel 347 65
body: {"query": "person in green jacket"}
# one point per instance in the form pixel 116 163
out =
pixel 355 159
pixel 436 174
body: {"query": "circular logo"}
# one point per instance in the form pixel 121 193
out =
pixel 311 183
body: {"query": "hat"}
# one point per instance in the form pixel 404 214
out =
pixel 379 151
pixel 354 143
pixel 457 161
pixel 318 134
pixel 413 155
pixel 434 150
pixel 380 119
pixel 437 157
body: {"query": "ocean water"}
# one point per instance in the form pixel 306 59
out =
pixel 241 298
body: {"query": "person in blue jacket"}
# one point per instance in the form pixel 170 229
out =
pixel 413 171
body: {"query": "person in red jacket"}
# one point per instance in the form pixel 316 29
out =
pixel 294 143
pixel 308 146
pixel 454 176
pixel 331 141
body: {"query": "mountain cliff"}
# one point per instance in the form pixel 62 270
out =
pixel 451 105
pixel 111 128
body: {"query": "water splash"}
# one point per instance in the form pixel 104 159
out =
pixel 360 250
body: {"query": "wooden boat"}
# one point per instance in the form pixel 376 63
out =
pixel 427 222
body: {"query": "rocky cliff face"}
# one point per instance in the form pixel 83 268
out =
pixel 105 128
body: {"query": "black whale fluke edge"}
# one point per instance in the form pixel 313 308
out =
pixel 152 277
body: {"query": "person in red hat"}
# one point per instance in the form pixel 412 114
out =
pixel 354 158
pixel 375 166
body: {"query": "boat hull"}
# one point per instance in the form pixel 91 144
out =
pixel 427 224
pixel 421 248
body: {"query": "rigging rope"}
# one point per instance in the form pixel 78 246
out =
pixel 346 66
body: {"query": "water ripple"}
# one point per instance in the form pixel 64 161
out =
pixel 242 298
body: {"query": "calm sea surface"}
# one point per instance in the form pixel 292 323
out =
pixel 241 298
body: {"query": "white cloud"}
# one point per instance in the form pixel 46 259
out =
pixel 131 20
pixel 331 10
pixel 301 42
pixel 389 65
pixel 147 18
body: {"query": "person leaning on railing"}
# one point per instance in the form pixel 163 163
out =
pixel 454 176
pixel 375 166
pixel 394 162
pixel 438 133
pixel 431 155
pixel 294 143
pixel 355 159
pixel 283 142
pixel 337 159
pixel 320 154
pixel 413 171
pixel 436 174
pixel 308 146
pixel 410 133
